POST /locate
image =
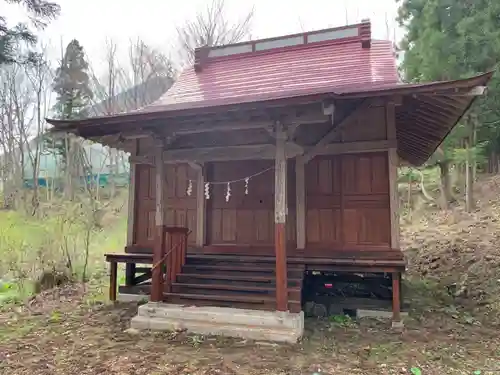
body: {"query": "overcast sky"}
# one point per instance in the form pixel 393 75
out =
pixel 154 21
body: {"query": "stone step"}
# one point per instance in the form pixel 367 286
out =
pixel 211 329
pixel 273 320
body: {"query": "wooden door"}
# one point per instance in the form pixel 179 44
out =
pixel 246 219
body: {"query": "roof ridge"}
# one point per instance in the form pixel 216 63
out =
pixel 360 32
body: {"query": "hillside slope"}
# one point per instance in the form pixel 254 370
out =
pixel 460 250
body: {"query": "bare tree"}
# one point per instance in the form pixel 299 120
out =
pixel 143 78
pixel 10 163
pixel 24 102
pixel 16 102
pixel 210 27
pixel 40 76
pixel 112 73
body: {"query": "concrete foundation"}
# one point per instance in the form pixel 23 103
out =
pixel 379 314
pixel 397 325
pixel 124 297
pixel 249 324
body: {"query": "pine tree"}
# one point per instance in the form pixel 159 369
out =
pixel 41 11
pixel 72 83
pixel 72 86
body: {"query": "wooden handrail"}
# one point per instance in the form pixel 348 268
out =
pixel 168 253
pixel 174 259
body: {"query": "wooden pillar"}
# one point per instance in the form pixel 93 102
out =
pixel 157 279
pixel 200 207
pixel 393 175
pixel 396 299
pixel 393 163
pixel 113 275
pixel 300 188
pixel 280 212
pixel 132 191
pixel 131 199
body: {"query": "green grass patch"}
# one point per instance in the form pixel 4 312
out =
pixel 31 245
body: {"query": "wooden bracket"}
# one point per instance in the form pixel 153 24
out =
pixel 196 166
pixel 328 137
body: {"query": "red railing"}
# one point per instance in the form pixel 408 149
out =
pixel 167 264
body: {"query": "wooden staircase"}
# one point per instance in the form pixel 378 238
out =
pixel 233 281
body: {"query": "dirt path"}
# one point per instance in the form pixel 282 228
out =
pixel 70 334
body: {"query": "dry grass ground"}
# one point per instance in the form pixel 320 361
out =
pixel 453 284
pixel 458 251
pixel 69 331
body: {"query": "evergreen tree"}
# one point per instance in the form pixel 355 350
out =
pixel 72 86
pixel 72 83
pixel 41 11
pixel 450 39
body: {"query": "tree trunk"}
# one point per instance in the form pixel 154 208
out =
pixel 410 206
pixel 474 141
pixel 469 170
pixel 445 184
pixel 67 168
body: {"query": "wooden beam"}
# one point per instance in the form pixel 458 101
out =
pixel 300 204
pixel 266 151
pixel 474 91
pixel 280 212
pixel 328 137
pixel 244 152
pixel 232 125
pixel 138 159
pixel 356 147
pixel 137 134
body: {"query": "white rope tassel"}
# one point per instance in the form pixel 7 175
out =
pixel 189 190
pixel 207 190
pixel 228 191
pixel 246 185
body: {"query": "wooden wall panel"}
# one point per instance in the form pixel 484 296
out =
pixel 244 219
pixel 144 225
pixel 323 198
pixel 369 126
pixel 181 208
pixel 366 200
pixel 347 202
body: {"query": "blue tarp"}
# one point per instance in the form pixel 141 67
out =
pixel 120 180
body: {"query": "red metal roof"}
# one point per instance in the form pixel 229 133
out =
pixel 348 65
pixel 335 66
